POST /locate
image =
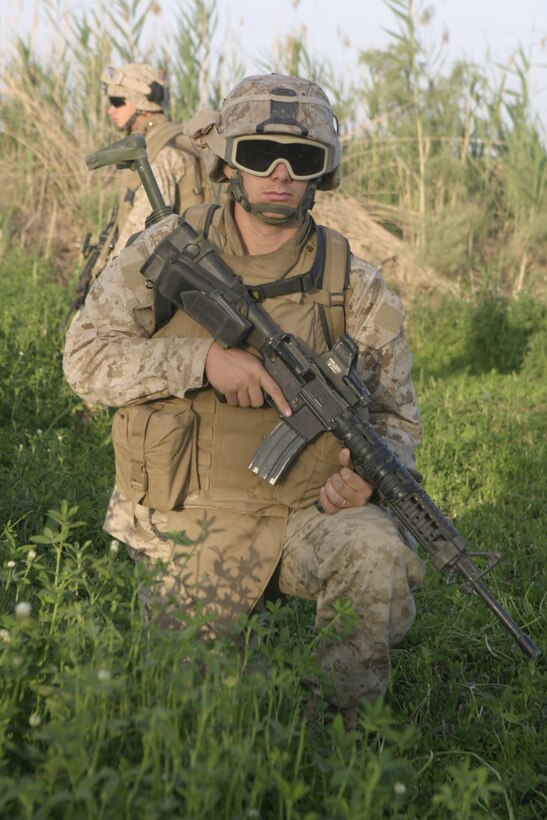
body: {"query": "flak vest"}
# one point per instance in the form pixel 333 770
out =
pixel 193 188
pixel 211 486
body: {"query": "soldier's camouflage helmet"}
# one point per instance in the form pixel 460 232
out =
pixel 142 85
pixel 277 107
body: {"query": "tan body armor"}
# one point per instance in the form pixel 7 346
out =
pixel 218 441
pixel 194 187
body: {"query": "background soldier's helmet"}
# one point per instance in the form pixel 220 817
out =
pixel 139 83
pixel 269 105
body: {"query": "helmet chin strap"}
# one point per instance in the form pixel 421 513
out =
pixel 130 122
pixel 286 214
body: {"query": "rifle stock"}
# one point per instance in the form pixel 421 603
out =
pixel 326 394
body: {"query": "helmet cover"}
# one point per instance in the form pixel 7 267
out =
pixel 267 105
pixel 142 85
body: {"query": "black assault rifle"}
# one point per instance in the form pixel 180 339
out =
pixel 324 391
pixel 91 253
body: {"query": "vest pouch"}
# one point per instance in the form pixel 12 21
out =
pixel 154 450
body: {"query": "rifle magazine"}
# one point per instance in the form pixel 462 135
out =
pixel 277 452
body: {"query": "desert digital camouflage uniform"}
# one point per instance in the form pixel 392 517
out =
pixel 114 357
pixel 170 166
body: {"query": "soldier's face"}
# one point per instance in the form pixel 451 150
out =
pixel 278 188
pixel 120 114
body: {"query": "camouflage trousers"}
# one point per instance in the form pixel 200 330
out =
pixel 357 555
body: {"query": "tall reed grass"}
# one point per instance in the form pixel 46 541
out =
pixel 450 159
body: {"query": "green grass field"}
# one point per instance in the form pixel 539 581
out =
pixel 104 717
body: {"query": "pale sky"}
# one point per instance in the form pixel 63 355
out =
pixel 338 26
pixel 338 29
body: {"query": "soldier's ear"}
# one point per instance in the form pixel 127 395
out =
pixel 227 170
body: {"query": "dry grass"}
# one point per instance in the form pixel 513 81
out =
pixel 371 241
pixel 450 163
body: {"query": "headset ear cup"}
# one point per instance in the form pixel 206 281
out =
pixel 156 93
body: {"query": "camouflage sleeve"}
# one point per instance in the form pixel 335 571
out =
pixel 169 168
pixel 375 319
pixel 111 356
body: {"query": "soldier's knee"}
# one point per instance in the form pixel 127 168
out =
pixel 369 551
pixel 373 533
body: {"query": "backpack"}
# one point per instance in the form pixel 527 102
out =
pixel 195 186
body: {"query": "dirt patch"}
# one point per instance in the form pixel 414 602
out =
pixel 371 241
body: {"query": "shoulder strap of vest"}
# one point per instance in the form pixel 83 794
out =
pixel 328 275
pixel 200 217
pixel 183 142
pixel 335 281
pixel 159 138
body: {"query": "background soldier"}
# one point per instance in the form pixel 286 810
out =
pixel 138 98
pixel 137 103
pixel 273 144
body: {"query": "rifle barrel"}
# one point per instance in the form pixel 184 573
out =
pixel 527 645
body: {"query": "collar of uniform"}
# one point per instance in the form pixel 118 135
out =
pixel 152 121
pixel 233 244
pixel 288 260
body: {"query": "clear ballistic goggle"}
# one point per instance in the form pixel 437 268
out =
pixel 112 75
pixel 259 155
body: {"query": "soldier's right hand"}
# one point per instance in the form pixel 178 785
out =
pixel 242 378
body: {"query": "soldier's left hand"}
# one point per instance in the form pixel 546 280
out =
pixel 345 488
